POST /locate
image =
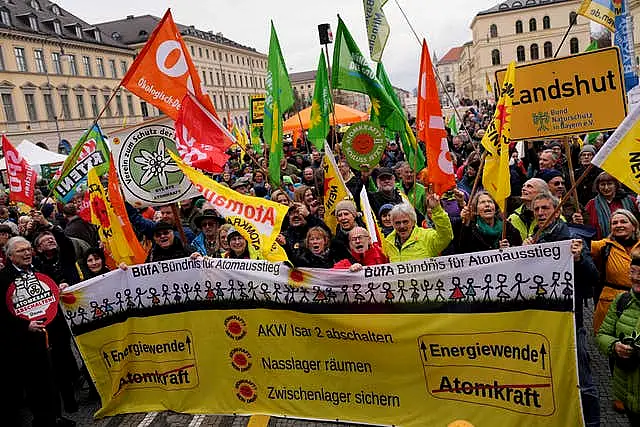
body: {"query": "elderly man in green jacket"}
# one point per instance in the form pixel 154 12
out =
pixel 408 242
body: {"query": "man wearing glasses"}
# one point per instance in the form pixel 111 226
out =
pixel 361 251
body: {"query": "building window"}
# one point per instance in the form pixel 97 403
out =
pixel 235 80
pixel 143 108
pixel 193 51
pixel 518 27
pixel 94 105
pixel 200 52
pixel 55 9
pixel 38 55
pixel 78 31
pixel 520 54
pixel 206 53
pixel 535 54
pixel 546 23
pixel 57 28
pixel 218 78
pixel 548 50
pixel 215 101
pixel 49 107
pixel 97 36
pixel 493 31
pixel 114 70
pixel 66 111
pixel 5 17
pixel 130 105
pixel 204 77
pixel 119 109
pixel 73 68
pixel 80 101
pixel 495 57
pixel 573 18
pixel 21 60
pixel 533 25
pixel 7 105
pixel 33 23
pixel 30 103
pixel 1 59
pixel 211 78
pixel 233 102
pixel 123 67
pixel 86 61
pixel 107 109
pixel 57 65
pixel 100 66
pixel 574 46
pixel 34 5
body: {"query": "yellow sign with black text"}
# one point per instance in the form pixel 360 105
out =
pixel 572 95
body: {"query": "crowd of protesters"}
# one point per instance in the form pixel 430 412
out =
pixel 600 217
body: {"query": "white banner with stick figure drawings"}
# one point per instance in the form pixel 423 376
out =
pixel 474 337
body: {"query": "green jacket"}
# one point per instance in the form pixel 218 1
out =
pixel 626 383
pixel 516 220
pixel 423 242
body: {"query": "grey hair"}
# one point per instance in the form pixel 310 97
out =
pixel 406 209
pixel 547 196
pixel 9 247
pixel 632 219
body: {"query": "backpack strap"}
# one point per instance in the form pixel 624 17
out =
pixel 622 303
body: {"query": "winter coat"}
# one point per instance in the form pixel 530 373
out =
pixel 470 239
pixel 422 243
pixel 616 275
pixel 626 382
pixel 176 251
pixel 524 221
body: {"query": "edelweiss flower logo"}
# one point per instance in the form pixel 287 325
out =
pixel 156 164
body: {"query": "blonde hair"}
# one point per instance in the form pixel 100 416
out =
pixel 632 219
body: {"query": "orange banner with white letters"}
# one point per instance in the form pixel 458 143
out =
pixel 163 71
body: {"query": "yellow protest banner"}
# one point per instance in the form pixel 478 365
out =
pixel 252 337
pixel 257 219
pixel 577 94
pixel 257 110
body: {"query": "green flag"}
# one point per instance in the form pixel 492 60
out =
pixel 592 46
pixel 453 125
pixel 352 72
pixel 279 99
pixel 320 106
pixel 91 151
pixel 398 120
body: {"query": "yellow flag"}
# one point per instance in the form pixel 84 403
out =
pixel 257 219
pixel 496 176
pixel 487 82
pixel 620 156
pixel 115 233
pixel 335 189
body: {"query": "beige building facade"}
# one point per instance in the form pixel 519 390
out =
pixel 230 72
pixel 56 74
pixel 524 31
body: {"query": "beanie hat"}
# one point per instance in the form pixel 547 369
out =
pixel 548 174
pixel 346 205
pixel 385 208
pixel 588 148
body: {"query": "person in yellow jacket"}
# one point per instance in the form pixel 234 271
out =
pixel 408 242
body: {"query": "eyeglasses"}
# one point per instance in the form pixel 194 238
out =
pixel 208 224
pixel 356 238
pixel 162 233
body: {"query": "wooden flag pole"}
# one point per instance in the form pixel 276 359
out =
pixel 562 201
pixel 478 175
pixel 572 177
pixel 176 216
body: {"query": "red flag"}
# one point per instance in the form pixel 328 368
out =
pixel 163 72
pixel 431 127
pixel 200 137
pixel 22 177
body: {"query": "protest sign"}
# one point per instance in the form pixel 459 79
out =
pixel 257 110
pixel 378 346
pixel 572 95
pixel 363 143
pixel 33 296
pixel 147 173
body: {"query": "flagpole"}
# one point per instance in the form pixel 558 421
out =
pixel 435 71
pixel 334 138
pixel 478 175
pixel 572 177
pixel 571 24
pixel 562 201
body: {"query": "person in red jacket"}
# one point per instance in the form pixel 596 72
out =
pixel 361 251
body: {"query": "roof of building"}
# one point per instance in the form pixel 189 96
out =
pixel 46 13
pixel 452 56
pixel 137 29
pixel 302 76
pixel 510 5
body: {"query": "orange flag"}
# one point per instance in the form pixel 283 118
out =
pixel 431 127
pixel 163 71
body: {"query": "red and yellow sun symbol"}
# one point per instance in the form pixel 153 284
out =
pixel 241 359
pixel 246 391
pixel 298 278
pixel 72 301
pixel 235 327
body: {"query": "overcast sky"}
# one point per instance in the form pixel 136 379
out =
pixel 443 24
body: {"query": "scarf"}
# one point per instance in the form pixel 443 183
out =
pixel 604 211
pixel 493 233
